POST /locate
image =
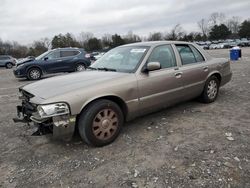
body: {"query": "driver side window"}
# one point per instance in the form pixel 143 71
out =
pixel 54 55
pixel 164 55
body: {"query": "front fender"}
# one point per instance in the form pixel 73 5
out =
pixel 99 97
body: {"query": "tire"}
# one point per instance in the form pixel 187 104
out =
pixel 100 123
pixel 34 74
pixel 80 67
pixel 8 65
pixel 211 90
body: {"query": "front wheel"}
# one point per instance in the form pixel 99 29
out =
pixel 34 74
pixel 8 65
pixel 211 90
pixel 100 123
pixel 80 67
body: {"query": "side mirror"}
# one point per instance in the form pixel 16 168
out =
pixel 151 66
pixel 45 59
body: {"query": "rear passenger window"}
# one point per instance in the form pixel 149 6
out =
pixel 164 55
pixel 69 53
pixel 4 58
pixel 76 52
pixel 189 54
pixel 197 54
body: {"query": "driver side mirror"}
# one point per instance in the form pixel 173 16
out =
pixel 45 59
pixel 151 66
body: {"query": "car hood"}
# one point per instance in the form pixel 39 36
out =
pixel 24 61
pixel 58 85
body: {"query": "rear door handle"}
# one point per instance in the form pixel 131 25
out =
pixel 205 68
pixel 178 74
pixel 59 60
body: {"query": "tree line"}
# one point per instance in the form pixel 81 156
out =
pixel 216 27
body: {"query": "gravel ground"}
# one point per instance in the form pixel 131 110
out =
pixel 189 145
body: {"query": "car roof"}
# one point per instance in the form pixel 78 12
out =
pixel 69 48
pixel 5 56
pixel 155 43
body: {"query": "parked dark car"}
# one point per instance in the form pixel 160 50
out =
pixel 7 61
pixel 52 61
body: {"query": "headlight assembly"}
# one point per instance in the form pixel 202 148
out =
pixel 50 110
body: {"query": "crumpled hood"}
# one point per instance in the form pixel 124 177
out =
pixel 24 61
pixel 58 85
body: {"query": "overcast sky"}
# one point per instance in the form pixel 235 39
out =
pixel 28 20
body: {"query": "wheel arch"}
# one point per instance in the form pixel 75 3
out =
pixel 215 73
pixel 82 62
pixel 118 100
pixel 34 66
pixel 10 63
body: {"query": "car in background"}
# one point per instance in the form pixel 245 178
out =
pixel 97 55
pixel 53 61
pixel 245 42
pixel 127 82
pixel 213 46
pixel 7 61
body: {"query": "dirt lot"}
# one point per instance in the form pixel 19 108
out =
pixel 189 145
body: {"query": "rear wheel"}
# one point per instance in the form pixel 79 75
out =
pixel 34 74
pixel 211 90
pixel 100 123
pixel 8 65
pixel 80 67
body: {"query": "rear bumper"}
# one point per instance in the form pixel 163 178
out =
pixel 225 79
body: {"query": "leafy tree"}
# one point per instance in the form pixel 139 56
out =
pixel 93 44
pixel 244 30
pixel 62 41
pixel 117 40
pixel 219 32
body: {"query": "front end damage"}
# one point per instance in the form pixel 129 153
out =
pixel 49 118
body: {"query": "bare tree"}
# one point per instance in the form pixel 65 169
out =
pixel 233 24
pixel 46 42
pixel 106 40
pixel 84 37
pixel 155 36
pixel 217 18
pixel 203 24
pixel 131 37
pixel 176 33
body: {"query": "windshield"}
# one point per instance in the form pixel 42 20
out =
pixel 42 55
pixel 121 59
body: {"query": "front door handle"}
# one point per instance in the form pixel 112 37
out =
pixel 59 60
pixel 205 69
pixel 178 74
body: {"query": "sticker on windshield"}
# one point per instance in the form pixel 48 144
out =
pixel 138 50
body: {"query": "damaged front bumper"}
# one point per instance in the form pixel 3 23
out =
pixel 61 126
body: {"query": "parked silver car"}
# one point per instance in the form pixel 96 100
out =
pixel 7 61
pixel 126 82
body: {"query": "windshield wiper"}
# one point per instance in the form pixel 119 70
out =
pixel 91 68
pixel 106 69
pixel 102 68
